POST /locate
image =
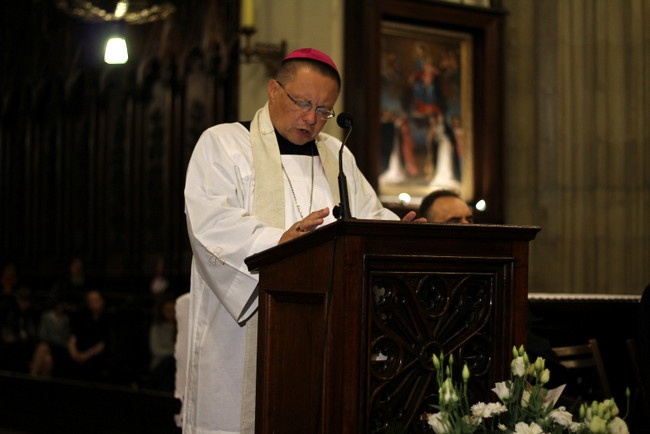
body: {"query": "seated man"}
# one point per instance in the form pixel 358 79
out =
pixel 445 206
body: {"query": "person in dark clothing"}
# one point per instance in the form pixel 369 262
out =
pixel 72 287
pixel 89 338
pixel 19 332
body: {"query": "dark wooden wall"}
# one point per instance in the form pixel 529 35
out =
pixel 93 156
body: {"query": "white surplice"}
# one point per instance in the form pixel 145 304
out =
pixel 237 203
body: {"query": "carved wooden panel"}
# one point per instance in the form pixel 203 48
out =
pixel 415 314
pixel 361 306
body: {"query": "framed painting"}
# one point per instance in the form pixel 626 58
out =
pixel 424 82
pixel 425 111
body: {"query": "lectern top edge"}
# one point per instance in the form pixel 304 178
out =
pixel 393 229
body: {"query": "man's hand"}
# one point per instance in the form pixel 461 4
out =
pixel 308 224
pixel 410 217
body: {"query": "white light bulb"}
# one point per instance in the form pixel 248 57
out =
pixel 116 51
pixel 121 8
pixel 404 198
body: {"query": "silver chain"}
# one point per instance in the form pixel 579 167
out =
pixel 311 192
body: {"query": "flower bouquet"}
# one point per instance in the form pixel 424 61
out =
pixel 524 405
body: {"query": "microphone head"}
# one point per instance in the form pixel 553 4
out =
pixel 344 120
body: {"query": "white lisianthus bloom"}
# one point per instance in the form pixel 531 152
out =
pixel 525 397
pixel 524 428
pixel 518 367
pixel 617 426
pixel 502 390
pixel 479 410
pixel 490 409
pixel 575 426
pixel 439 423
pixel 448 392
pixel 502 427
pixel 497 408
pixel 597 425
pixel 530 369
pixel 613 408
pixel 561 417
pixel 544 376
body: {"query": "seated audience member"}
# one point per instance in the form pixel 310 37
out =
pixel 9 279
pixel 9 283
pixel 73 285
pixel 19 329
pixel 89 337
pixel 162 337
pixel 159 283
pixel 445 206
pixel 51 357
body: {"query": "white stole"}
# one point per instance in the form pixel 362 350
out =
pixel 268 206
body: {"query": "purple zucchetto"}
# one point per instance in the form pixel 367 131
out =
pixel 312 54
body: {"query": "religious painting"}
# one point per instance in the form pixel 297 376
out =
pixel 426 125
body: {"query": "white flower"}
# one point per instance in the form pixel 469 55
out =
pixel 448 392
pixel 525 397
pixel 544 376
pixel 527 379
pixel 597 425
pixel 439 423
pixel 483 410
pixel 561 416
pixel 524 428
pixel 617 426
pixel 502 390
pixel 518 367
pixel 479 410
pixel 575 426
pixel 611 406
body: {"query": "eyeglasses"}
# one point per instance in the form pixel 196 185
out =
pixel 306 106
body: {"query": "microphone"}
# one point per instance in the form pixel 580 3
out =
pixel 342 211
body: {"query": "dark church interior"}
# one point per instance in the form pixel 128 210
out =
pixel 92 167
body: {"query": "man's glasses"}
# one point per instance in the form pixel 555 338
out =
pixel 306 106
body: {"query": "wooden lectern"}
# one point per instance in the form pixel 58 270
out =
pixel 350 315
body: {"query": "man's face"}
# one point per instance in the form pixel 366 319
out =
pixel 449 209
pixel 94 301
pixel 294 124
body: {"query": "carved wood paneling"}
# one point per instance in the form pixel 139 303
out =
pixel 446 308
pixel 372 302
pixel 93 156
